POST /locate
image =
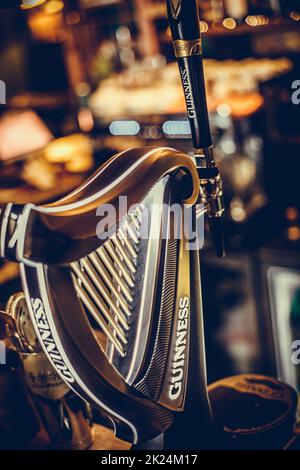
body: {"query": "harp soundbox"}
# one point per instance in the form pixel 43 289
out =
pixel 132 276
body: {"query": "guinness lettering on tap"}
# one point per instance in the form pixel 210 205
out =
pixel 180 350
pixel 188 94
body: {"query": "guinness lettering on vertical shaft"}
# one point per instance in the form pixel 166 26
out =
pixel 185 28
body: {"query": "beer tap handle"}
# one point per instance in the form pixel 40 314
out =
pixel 185 28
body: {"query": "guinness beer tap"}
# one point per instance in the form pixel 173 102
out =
pixel 185 27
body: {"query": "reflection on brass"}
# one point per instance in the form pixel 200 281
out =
pixel 119 263
pixel 99 284
pixel 132 173
pixel 131 232
pixel 17 308
pixel 113 271
pixel 123 253
pixel 187 48
pixel 98 318
pixel 90 289
pixel 126 242
pixel 110 284
pixel 101 288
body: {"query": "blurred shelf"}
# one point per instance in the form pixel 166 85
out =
pixel 157 11
pixel 219 30
pixel 273 25
pixel 40 101
pixel 241 105
pixel 24 194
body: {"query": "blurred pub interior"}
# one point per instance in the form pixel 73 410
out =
pixel 86 79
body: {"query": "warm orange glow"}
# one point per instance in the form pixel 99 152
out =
pixel 292 214
pixel 295 15
pixel 229 23
pixel 294 234
pixel 263 20
pixel 45 27
pixel 257 20
pixel 245 104
pixel 54 6
pixel 85 120
pixel 74 151
pixel 31 131
pixel 203 27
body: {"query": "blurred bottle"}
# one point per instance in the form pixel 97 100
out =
pixel 126 48
pixel 66 417
pixel 237 9
pixel 212 10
